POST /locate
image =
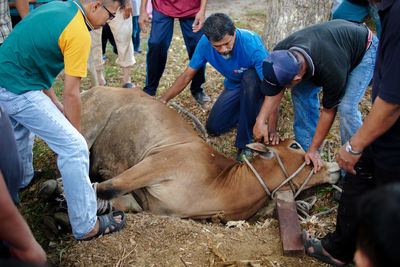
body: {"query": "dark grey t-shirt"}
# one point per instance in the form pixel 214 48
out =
pixel 332 50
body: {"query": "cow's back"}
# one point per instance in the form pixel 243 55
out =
pixel 123 126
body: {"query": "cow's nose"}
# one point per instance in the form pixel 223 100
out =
pixel 334 172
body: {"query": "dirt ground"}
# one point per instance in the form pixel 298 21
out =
pixel 152 240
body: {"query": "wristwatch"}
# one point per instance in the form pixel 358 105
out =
pixel 350 150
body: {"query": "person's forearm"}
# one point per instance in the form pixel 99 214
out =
pixel 22 7
pixel 381 118
pixel 179 84
pixel 273 120
pixel 72 100
pixel 143 6
pixel 324 124
pixel 51 94
pixel 269 106
pixel 14 229
pixel 203 6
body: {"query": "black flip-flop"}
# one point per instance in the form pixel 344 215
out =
pixel 318 254
pixel 107 221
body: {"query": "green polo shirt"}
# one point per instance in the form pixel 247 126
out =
pixel 53 37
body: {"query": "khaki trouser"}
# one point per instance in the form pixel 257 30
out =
pixel 122 31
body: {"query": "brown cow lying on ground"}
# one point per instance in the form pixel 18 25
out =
pixel 141 146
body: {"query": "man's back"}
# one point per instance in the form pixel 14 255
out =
pixel 34 53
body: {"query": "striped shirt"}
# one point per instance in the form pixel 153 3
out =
pixel 5 20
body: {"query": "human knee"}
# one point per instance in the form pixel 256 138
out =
pixel 250 79
pixel 77 146
pixel 347 109
pixel 157 43
pixel 213 128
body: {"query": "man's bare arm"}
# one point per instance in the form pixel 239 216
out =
pixel 382 117
pixel 179 84
pixel 22 7
pixel 72 100
pixel 15 231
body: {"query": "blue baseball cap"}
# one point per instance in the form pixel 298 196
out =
pixel 279 69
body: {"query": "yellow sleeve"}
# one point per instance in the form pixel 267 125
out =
pixel 75 44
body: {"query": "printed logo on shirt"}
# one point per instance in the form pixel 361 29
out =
pixel 241 70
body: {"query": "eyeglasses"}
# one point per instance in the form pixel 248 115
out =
pixel 110 15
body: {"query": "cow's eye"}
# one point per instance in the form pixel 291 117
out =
pixel 294 146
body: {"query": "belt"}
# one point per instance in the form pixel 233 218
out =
pixel 369 38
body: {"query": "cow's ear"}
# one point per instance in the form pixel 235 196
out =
pixel 259 147
pixel 264 151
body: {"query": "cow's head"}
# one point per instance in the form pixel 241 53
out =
pixel 292 157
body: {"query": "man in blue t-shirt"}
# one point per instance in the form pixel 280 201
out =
pixel 238 55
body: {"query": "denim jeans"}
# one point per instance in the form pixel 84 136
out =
pixel 239 106
pixel 306 112
pixel 136 33
pixel 357 83
pixel 34 113
pixel 306 101
pixel 162 28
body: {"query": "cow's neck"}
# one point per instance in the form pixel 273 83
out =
pixel 242 192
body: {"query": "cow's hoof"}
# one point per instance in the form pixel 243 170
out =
pixel 51 224
pixel 62 219
pixel 48 189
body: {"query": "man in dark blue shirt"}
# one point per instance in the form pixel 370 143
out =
pixel 372 156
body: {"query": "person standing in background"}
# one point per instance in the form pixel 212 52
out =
pixel 135 26
pixel 191 16
pixel 5 18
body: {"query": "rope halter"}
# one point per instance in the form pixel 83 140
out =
pixel 287 180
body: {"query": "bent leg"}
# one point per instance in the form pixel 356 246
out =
pixel 357 83
pixel 306 112
pixel 225 112
pixel 250 103
pixel 40 116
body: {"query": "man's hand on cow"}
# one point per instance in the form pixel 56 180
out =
pixel 274 138
pixel 161 100
pixel 346 160
pixel 260 132
pixel 314 157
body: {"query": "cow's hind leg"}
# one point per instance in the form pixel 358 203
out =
pixel 147 172
pixel 126 203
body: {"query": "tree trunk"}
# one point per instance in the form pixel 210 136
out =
pixel 287 16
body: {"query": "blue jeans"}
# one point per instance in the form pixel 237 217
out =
pixel 135 33
pixel 239 106
pixel 33 113
pixel 162 28
pixel 306 101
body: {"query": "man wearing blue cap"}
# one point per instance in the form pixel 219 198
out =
pixel 338 56
pixel 238 55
